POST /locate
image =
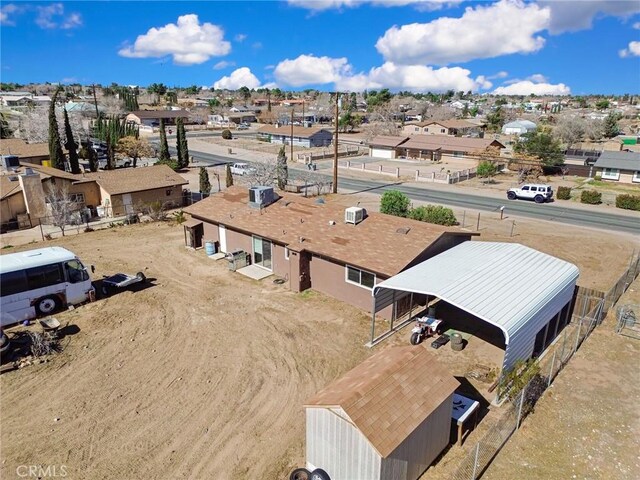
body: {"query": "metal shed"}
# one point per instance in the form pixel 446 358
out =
pixel 525 293
pixel 387 419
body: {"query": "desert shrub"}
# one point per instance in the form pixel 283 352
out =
pixel 394 202
pixel 226 134
pixel 172 163
pixel 434 214
pixel 486 169
pixel 157 211
pixel 591 197
pixel 628 202
pixel 564 193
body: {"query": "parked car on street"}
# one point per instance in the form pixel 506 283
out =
pixel 535 192
pixel 242 127
pixel 240 168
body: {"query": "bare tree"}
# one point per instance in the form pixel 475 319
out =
pixel 112 105
pixel 594 129
pixel 570 130
pixel 60 206
pixel 34 127
pixel 262 174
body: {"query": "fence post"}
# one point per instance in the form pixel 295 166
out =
pixel 417 175
pixel 478 224
pixel 464 213
pixel 475 461
pixel 564 343
pixel 397 172
pixel 520 408
pixel 578 336
pixel 553 361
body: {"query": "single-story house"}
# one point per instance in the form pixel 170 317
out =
pixel 302 136
pixel 26 152
pixel 238 118
pixel 385 146
pixel 621 167
pixel 387 419
pixel 312 245
pixel 151 118
pixel 25 100
pixel 441 127
pixel 107 193
pixel 519 127
pixel 432 146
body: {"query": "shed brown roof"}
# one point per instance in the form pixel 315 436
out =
pixel 17 146
pixel 374 244
pixel 127 180
pixel 446 142
pixel 9 187
pixel 387 141
pixel 390 394
pixel 302 132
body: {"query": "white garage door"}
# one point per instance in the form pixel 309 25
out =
pixel 382 153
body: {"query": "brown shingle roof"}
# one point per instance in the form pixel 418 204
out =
pixel 302 132
pixel 17 146
pixel 445 142
pixel 9 187
pixel 390 394
pixel 386 141
pixel 373 244
pixel 46 172
pixel 129 180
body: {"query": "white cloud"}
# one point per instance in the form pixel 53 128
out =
pixel 319 5
pixel 527 87
pixel 53 16
pixel 5 12
pixel 636 25
pixel 415 78
pixel 537 78
pixel 309 69
pixel 242 77
pixel 632 50
pixel 241 37
pixel 571 16
pixel 223 64
pixel 188 41
pixel 505 27
pixel 500 74
pixel 483 82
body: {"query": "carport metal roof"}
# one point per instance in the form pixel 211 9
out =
pixel 516 288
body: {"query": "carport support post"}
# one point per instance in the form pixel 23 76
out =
pixel 410 304
pixel 393 310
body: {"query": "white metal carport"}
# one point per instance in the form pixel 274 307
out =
pixel 513 287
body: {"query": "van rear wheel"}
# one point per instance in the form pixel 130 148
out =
pixel 47 305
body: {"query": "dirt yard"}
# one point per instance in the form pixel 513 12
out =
pixel 202 375
pixel 586 425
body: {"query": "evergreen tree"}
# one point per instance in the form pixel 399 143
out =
pixel 164 147
pixel 205 184
pixel 282 169
pixel 56 155
pixel 611 128
pixel 111 160
pixel 71 145
pixel 182 146
pixel 229 179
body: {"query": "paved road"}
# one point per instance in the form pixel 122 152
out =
pixel 573 216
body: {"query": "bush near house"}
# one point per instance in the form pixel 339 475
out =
pixel 591 197
pixel 394 202
pixel 226 134
pixel 628 202
pixel 434 214
pixel 171 163
pixel 564 193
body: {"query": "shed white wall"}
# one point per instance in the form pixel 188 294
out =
pixel 414 455
pixel 337 446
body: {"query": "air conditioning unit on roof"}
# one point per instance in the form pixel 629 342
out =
pixel 354 215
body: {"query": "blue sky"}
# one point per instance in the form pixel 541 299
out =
pixel 506 46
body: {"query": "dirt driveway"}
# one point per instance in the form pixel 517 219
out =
pixel 202 375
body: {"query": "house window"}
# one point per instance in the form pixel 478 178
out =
pixel 610 174
pixel 77 197
pixel 442 130
pixel 359 277
pixel 168 192
pixel 286 253
pixel 417 129
pixel 636 177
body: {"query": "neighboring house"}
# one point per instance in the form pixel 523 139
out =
pixel 85 108
pixel 432 147
pixel 385 146
pixel 519 127
pixel 238 118
pixel 242 109
pixel 311 245
pixel 25 100
pixel 443 127
pixel 621 167
pixel 302 136
pixel 151 118
pixel 389 418
pixel 108 193
pixel 27 152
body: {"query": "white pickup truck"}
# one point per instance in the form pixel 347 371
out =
pixel 242 169
pixel 535 192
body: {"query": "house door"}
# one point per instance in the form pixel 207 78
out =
pixel 262 252
pixel 222 235
pixel 128 203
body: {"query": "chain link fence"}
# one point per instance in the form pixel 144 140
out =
pixel 590 309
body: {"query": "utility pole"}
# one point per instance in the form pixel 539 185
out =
pixel 303 112
pixel 334 187
pixel 291 141
pixel 95 101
